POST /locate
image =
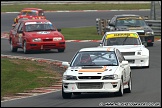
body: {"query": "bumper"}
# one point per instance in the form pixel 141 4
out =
pixel 137 61
pixel 45 45
pixel 148 39
pixel 91 86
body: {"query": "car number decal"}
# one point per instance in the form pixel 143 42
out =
pixel 20 38
pixel 43 32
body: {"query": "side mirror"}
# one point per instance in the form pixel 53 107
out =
pixel 66 64
pixel 20 31
pixel 144 43
pixel 59 30
pixel 101 44
pixel 124 62
pixel 13 25
pixel 149 24
pixel 111 24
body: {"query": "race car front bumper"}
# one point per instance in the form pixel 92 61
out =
pixel 88 86
pixel 45 45
pixel 137 61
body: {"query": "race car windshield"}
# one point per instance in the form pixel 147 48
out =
pixel 39 27
pixel 29 13
pixel 122 41
pixel 130 22
pixel 95 58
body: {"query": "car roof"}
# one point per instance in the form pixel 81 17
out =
pixel 125 15
pixel 121 32
pixel 36 20
pixel 97 49
pixel 31 9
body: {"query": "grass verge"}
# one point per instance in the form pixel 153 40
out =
pixel 56 7
pixel 18 75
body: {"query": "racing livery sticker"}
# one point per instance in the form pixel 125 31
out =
pixel 115 35
pixel 93 70
pixel 43 32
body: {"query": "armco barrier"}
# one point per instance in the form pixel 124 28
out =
pixel 102 23
pixel 156 26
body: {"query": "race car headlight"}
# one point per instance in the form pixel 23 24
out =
pixel 106 77
pixel 36 40
pixel 139 53
pixel 57 38
pixel 69 77
pixel 149 33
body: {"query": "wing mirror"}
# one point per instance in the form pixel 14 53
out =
pixel 124 62
pixel 149 24
pixel 101 44
pixel 66 64
pixel 111 24
pixel 13 25
pixel 20 31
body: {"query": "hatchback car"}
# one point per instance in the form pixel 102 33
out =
pixel 96 69
pixel 38 34
pixel 30 13
pixel 130 45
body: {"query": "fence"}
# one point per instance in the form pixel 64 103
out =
pixel 102 23
pixel 155 10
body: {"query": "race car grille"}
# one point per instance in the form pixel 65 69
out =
pixel 131 61
pixel 45 40
pixel 94 85
pixel 49 46
pixel 89 77
pixel 128 53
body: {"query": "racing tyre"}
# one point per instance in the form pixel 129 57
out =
pixel 66 95
pixel 12 47
pixel 128 90
pixel 61 50
pixel 121 91
pixel 24 48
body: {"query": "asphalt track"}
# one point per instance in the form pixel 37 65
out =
pixel 146 82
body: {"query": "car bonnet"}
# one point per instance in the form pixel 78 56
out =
pixel 92 71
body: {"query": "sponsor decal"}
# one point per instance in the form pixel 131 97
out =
pixel 27 23
pixel 116 35
pixel 43 32
pixel 130 18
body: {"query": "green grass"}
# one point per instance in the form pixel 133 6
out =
pixel 20 75
pixel 86 33
pixel 55 7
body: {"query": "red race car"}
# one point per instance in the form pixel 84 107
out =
pixel 30 13
pixel 36 34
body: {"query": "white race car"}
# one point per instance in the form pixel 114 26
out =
pixel 96 69
pixel 129 44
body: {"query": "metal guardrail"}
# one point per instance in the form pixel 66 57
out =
pixel 102 23
pixel 156 26
pixel 73 2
